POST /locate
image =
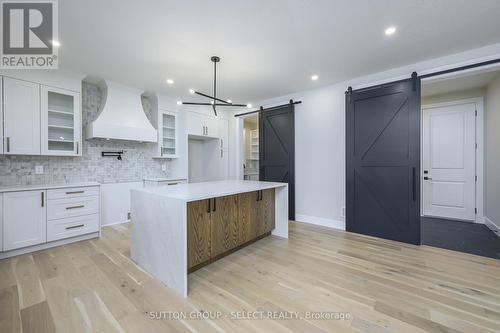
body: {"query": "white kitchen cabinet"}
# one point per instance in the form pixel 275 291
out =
pixel 223 129
pixel 201 125
pixel 24 219
pixel 60 122
pixel 21 117
pixel 168 134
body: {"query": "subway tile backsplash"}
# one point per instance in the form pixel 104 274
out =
pixel 137 160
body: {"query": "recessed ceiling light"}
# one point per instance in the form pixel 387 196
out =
pixel 55 43
pixel 170 81
pixel 229 101
pixel 249 106
pixel 212 102
pixel 314 77
pixel 191 91
pixel 179 102
pixel 390 31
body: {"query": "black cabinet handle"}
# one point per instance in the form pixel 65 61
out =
pixel 75 226
pixel 414 183
pixel 43 198
pixel 215 204
pixel 208 206
pixel 258 196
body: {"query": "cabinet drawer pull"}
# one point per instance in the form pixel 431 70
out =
pixel 8 143
pixel 43 198
pixel 208 206
pixel 75 192
pixel 74 207
pixel 172 183
pixel 75 226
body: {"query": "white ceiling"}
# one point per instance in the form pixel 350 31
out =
pixel 268 48
pixel 460 83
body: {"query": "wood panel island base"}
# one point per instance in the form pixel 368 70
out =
pixel 178 229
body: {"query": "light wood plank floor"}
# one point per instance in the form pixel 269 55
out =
pixel 383 286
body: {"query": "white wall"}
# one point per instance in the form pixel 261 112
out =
pixel 320 136
pixel 492 153
pixel 453 96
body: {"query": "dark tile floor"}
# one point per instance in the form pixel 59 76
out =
pixel 460 236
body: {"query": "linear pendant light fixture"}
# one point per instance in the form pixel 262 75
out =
pixel 214 100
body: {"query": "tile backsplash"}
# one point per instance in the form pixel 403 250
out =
pixel 137 160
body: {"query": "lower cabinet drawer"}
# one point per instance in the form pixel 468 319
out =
pixel 72 226
pixel 63 208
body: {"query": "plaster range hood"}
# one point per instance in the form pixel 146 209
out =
pixel 121 115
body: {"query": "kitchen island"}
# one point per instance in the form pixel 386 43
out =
pixel 178 229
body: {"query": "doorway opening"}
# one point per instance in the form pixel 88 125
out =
pixel 457 154
pixel 251 147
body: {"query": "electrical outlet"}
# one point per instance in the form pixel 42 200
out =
pixel 38 169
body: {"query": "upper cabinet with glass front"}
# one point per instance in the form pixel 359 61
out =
pixel 168 141
pixel 61 122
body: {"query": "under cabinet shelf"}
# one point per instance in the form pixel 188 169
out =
pixel 61 127
pixel 61 112
pixel 56 140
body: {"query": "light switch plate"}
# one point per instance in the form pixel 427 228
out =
pixel 164 167
pixel 38 169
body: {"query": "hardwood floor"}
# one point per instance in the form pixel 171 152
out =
pixel 382 286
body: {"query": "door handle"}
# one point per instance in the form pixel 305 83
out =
pixel 258 195
pixel 7 139
pixel 427 178
pixel 215 205
pixel 77 147
pixel 43 198
pixel 414 184
pixel 208 206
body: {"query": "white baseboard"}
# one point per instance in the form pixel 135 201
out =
pixel 48 245
pixel 329 223
pixel 492 225
pixel 115 223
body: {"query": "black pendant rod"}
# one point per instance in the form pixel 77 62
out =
pixel 215 83
pixel 209 104
pixel 214 104
pixel 267 109
pixel 214 98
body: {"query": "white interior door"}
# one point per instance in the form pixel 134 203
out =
pixel 449 161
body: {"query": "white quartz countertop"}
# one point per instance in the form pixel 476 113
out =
pixel 206 190
pixel 16 188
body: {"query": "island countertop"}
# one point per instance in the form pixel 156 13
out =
pixel 206 190
pixel 162 229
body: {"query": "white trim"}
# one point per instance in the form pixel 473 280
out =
pixel 49 245
pixel 115 223
pixel 479 102
pixel 324 222
pixel 492 225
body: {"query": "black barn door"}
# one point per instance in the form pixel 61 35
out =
pixel 277 149
pixel 383 161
